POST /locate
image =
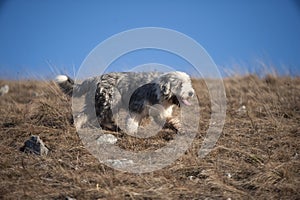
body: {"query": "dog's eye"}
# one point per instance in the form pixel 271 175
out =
pixel 191 93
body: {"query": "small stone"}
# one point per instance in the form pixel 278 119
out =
pixel 296 156
pixel 242 109
pixel 107 139
pixel 35 94
pixel 191 178
pixel 228 175
pixel 4 90
pixel 120 163
pixel 35 145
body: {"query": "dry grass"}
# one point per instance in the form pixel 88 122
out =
pixel 256 157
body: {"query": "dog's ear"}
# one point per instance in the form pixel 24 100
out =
pixel 165 87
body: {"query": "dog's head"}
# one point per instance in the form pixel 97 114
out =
pixel 176 85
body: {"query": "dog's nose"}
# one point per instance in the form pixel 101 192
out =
pixel 191 93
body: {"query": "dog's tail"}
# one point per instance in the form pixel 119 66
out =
pixel 65 83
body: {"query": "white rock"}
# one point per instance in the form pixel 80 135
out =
pixel 242 109
pixel 107 139
pixel 228 175
pixel 119 163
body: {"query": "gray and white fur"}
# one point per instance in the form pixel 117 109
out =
pixel 105 94
pixel 142 93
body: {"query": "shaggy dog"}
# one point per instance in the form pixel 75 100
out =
pixel 144 94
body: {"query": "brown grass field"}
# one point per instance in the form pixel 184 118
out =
pixel 256 157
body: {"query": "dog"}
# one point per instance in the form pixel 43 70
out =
pixel 144 94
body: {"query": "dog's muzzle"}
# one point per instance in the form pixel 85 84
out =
pixel 185 100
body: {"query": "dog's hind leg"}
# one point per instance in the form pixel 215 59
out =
pixel 131 125
pixel 174 124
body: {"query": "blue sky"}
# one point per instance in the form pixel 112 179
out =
pixel 38 37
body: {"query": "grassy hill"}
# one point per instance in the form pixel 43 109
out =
pixel 256 157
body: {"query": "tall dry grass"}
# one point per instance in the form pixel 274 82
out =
pixel 256 157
